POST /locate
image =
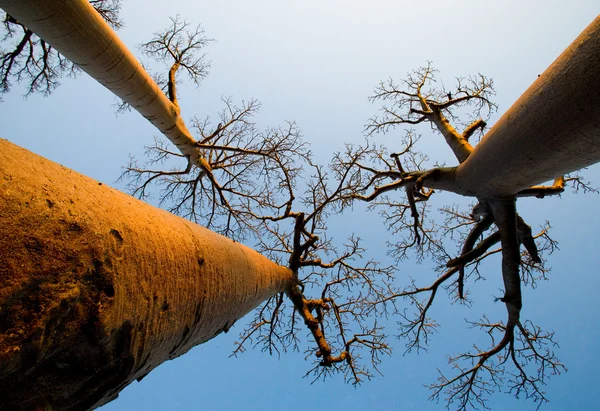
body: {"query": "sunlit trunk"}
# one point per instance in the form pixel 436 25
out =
pixel 78 32
pixel 98 288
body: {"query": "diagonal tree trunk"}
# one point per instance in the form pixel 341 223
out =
pixel 78 32
pixel 98 288
pixel 551 130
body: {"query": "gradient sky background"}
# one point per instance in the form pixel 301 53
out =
pixel 316 62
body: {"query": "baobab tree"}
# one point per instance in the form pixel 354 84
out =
pixel 301 244
pixel 119 357
pixel 35 63
pixel 521 355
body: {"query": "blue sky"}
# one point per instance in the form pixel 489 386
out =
pixel 316 62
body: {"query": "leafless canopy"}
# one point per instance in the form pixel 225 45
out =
pixel 520 355
pixel 263 187
pixel 27 59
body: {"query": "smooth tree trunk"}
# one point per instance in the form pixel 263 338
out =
pixel 79 33
pixel 98 288
pixel 551 130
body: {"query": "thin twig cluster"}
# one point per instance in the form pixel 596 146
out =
pixel 25 58
pixel 263 186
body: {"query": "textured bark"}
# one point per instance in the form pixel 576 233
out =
pixel 98 288
pixel 552 129
pixel 77 31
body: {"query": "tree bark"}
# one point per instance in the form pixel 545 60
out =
pixel 79 33
pixel 98 288
pixel 552 129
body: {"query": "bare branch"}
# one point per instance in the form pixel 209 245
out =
pixel 27 59
pixel 416 101
pixel 473 127
pixel 179 46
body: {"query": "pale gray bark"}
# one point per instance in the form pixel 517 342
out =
pixel 552 129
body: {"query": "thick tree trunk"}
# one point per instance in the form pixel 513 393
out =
pixel 78 32
pixel 553 129
pixel 98 288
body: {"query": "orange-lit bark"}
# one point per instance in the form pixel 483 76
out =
pixel 551 130
pixel 98 288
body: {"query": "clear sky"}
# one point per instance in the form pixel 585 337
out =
pixel 316 62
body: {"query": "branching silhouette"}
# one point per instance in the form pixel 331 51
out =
pixel 520 357
pixel 245 167
pixel 342 317
pixel 27 59
pixel 258 191
pixel 262 186
pixel 181 48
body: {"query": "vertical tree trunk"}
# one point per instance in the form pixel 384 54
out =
pixel 98 288
pixel 552 129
